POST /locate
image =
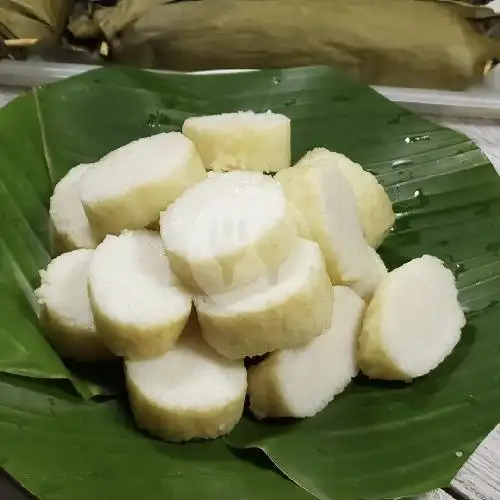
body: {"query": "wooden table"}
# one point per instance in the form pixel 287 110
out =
pixel 479 478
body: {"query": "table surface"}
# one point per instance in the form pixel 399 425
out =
pixel 479 478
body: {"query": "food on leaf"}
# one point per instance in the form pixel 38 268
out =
pixel 65 308
pixel 374 204
pixel 190 392
pixel 325 200
pixel 139 306
pixel 300 382
pixel 241 141
pixel 130 186
pixel 280 267
pixel 274 312
pixel 228 230
pixel 71 226
pixel 412 323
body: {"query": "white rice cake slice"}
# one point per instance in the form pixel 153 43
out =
pixel 228 230
pixel 326 203
pixel 65 308
pixel 71 225
pixel 129 187
pixel 139 306
pixel 302 381
pixel 374 205
pixel 241 141
pixel 274 312
pixel 413 322
pixel 190 392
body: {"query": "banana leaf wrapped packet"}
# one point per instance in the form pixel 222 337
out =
pixel 409 43
pixel 34 19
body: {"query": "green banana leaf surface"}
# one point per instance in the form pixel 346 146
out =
pixel 376 440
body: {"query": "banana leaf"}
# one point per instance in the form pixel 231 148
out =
pixel 406 43
pixel 375 440
pixel 81 451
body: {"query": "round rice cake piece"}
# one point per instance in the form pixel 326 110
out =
pixel 190 392
pixel 69 221
pixel 276 311
pixel 65 309
pixel 327 205
pixel 244 140
pixel 129 187
pixel 302 381
pixel 227 231
pixel 374 205
pixel 139 306
pixel 413 322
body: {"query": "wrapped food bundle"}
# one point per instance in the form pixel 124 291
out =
pixel 36 29
pixel 447 44
pixel 36 19
pixel 437 44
